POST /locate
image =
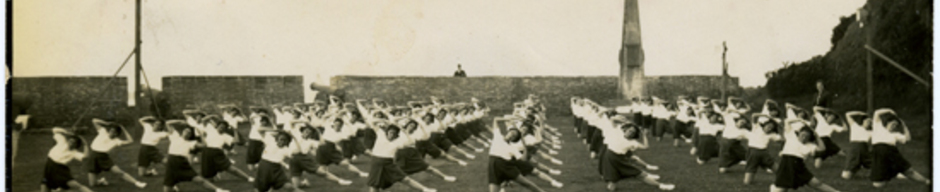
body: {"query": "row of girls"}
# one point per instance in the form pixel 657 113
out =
pixel 612 139
pixel 288 139
pixel 718 130
pixel 523 145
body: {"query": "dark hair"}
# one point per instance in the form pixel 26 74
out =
pixel 636 133
pixel 78 142
pixel 771 122
pixel 410 122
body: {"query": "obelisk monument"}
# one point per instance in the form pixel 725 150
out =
pixel 631 53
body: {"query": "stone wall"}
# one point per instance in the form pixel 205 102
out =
pixel 59 101
pixel 500 92
pixel 206 92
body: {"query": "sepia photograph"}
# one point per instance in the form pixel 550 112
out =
pixel 469 96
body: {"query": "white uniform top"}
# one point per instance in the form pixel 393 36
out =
pixel 60 153
pixel 272 152
pixel 683 115
pixel 425 133
pixel 623 145
pixel 710 129
pixel 232 120
pixel 660 112
pixel 623 109
pixel 731 129
pixel 794 147
pixel 180 147
pixel 151 137
pixel 880 133
pixel 823 128
pixel 281 117
pixel 104 143
pixel 254 134
pixel 758 139
pixel 216 140
pixel 386 149
pixel 499 147
pixel 646 109
pixel 857 133
pixel 304 146
pixel 330 134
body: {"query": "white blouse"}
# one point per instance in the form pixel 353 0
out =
pixel 104 143
pixel 794 147
pixel 60 153
pixel 857 133
pixel 180 147
pixel 758 139
pixel 386 149
pixel 151 137
pixel 272 152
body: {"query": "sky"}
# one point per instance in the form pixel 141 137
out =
pixel 322 38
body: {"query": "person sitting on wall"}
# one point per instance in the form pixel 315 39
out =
pixel 460 72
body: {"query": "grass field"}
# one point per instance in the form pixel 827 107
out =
pixel 579 171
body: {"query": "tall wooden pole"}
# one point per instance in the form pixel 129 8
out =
pixel 864 17
pixel 724 69
pixel 137 91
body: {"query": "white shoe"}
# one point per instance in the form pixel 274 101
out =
pixel 556 147
pixel 304 184
pixel 667 187
pixel 552 152
pixel 195 159
pixel 363 174
pixel 699 161
pixel 593 155
pixel 554 172
pixel 557 184
pixel 450 178
pixel 557 162
pixel 770 171
pixel 692 152
pixel 430 190
pixel 251 179
pixel 344 182
pixel 652 167
pixel 103 182
pixel 176 188
pixel 140 185
pixel 221 190
pixel 478 150
pixel 901 176
pixel 653 176
pixel 742 163
pixel 689 141
pixel 469 156
pixel 153 172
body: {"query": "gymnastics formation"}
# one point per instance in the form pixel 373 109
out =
pixel 286 144
pixel 737 135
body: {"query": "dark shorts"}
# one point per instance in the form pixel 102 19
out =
pixel 792 173
pixel 731 152
pixel 270 176
pixel 859 156
pixel 707 147
pixel 328 155
pixel 384 173
pixel 660 127
pixel 452 135
pixel 758 158
pixel 148 155
pixel 887 163
pixel 501 170
pixel 56 176
pixel 831 149
pixel 410 160
pixel 441 141
pixel 214 162
pixel 597 142
pixel 425 147
pixel 178 170
pixel 300 163
pixel 616 167
pixel 255 149
pixel 98 162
